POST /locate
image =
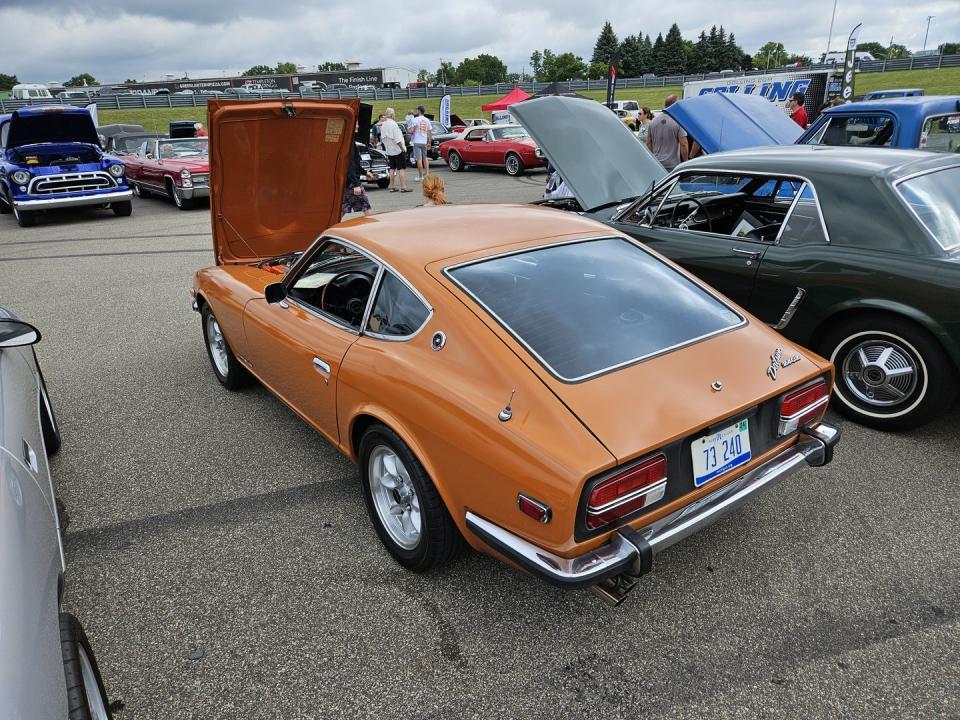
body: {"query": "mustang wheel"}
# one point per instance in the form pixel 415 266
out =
pixel 86 696
pixel 513 164
pixel 122 209
pixel 890 373
pixel 226 367
pixel 405 507
pixel 454 161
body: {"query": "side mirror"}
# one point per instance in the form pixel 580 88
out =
pixel 16 333
pixel 274 292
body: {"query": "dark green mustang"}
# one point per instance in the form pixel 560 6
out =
pixel 852 252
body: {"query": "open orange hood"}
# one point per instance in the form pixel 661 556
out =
pixel 277 173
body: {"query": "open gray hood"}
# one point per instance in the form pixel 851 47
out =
pixel 599 159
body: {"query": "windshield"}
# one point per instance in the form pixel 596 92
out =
pixel 630 105
pixel 509 133
pixel 439 129
pixel 588 307
pixel 192 147
pixel 935 200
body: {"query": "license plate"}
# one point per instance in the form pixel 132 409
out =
pixel 716 454
pixel 365 157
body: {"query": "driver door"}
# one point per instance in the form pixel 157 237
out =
pixel 297 348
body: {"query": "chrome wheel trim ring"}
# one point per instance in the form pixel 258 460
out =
pixel 453 159
pixel 177 199
pixel 98 710
pixel 394 497
pixel 513 164
pixel 218 346
pixel 897 344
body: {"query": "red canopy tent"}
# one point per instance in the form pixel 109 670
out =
pixel 514 96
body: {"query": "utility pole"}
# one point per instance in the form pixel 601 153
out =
pixel 929 18
pixel 830 34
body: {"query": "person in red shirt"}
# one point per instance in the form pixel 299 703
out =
pixel 797 113
pixel 198 130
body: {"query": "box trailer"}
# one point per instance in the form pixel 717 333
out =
pixel 817 85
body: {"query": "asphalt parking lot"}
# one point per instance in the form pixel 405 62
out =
pixel 223 564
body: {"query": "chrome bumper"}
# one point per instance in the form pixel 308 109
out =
pixel 74 201
pixel 197 191
pixel 631 551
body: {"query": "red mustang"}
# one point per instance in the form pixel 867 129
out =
pixel 178 169
pixel 506 146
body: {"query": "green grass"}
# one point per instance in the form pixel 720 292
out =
pixel 936 82
pixel 158 119
pixel 945 81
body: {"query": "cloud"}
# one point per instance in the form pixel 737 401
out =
pixel 116 39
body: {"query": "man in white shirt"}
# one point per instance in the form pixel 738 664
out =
pixel 421 136
pixel 396 150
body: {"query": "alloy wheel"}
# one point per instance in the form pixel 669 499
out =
pixel 218 346
pixel 394 497
pixel 95 703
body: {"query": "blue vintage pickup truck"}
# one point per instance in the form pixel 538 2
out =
pixel 50 158
pixel 719 121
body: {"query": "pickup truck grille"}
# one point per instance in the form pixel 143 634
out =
pixel 71 182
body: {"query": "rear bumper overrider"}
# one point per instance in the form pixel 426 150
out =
pixel 630 552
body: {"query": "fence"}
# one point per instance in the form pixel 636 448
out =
pixel 135 101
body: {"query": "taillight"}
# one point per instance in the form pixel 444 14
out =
pixel 804 406
pixel 626 492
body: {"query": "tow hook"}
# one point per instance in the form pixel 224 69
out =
pixel 614 589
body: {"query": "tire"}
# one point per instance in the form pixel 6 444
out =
pixel 907 379
pixel 6 205
pixel 383 183
pixel 48 418
pixel 181 202
pixel 420 541
pixel 231 374
pixel 454 161
pixel 122 209
pixel 139 190
pixel 513 165
pixel 24 219
pixel 86 696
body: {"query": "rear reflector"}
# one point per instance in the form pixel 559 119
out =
pixel 626 492
pixel 804 406
pixel 534 508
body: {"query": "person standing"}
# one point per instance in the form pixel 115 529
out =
pixel 421 137
pixel 797 112
pixel 375 132
pixel 354 194
pixel 666 139
pixel 396 150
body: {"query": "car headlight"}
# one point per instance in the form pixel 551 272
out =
pixel 21 177
pixel 117 170
pixel 185 174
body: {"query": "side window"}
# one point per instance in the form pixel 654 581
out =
pixel 843 130
pixel 4 131
pixel 336 282
pixel 397 312
pixel 475 135
pixel 804 226
pixel 941 133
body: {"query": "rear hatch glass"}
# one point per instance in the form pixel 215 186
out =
pixel 588 307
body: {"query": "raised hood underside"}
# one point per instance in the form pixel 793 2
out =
pixel 277 173
pixel 730 121
pixel 54 124
pixel 597 156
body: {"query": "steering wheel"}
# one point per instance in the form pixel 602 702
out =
pixel 699 206
pixel 346 295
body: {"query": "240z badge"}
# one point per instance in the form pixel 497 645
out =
pixel 777 362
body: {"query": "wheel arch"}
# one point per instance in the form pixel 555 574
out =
pixel 367 416
pixel 894 310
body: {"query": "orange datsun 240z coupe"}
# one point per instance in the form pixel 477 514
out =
pixel 534 382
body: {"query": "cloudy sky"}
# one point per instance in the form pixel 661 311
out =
pixel 146 39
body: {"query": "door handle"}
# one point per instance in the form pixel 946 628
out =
pixel 752 254
pixel 321 365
